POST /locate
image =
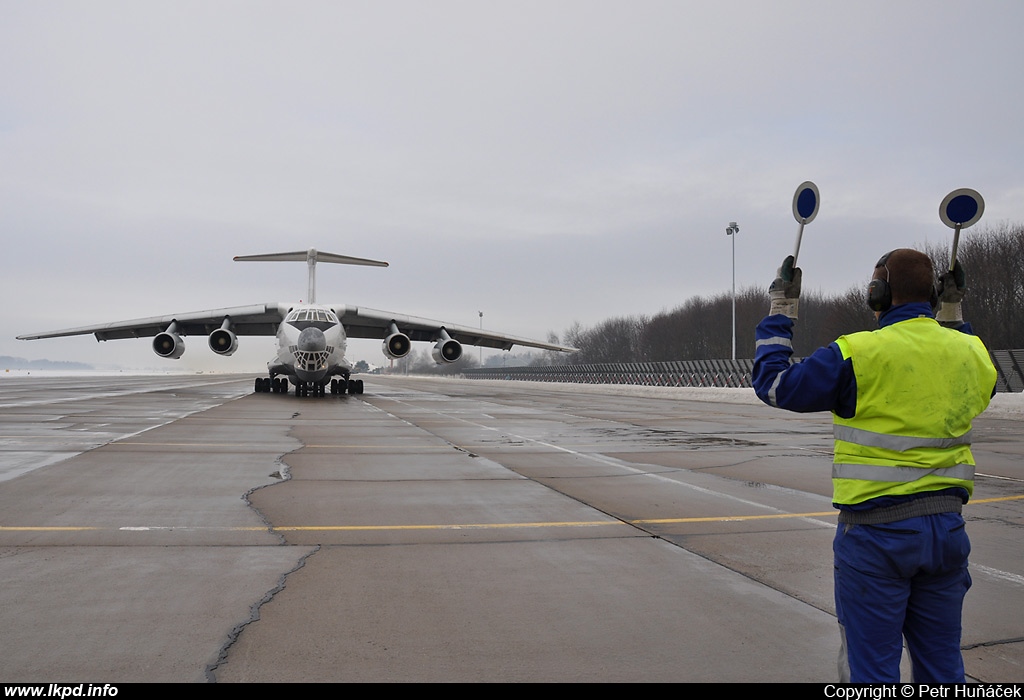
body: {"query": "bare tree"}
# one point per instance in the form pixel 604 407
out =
pixel 993 262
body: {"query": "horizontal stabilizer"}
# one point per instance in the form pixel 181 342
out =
pixel 311 258
pixel 310 255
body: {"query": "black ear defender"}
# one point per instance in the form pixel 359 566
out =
pixel 879 291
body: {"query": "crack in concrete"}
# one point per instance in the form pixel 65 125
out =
pixel 254 616
pixel 993 643
pixel 283 473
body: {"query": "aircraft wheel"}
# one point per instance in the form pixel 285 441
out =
pixel 298 390
pixel 359 386
pixel 258 386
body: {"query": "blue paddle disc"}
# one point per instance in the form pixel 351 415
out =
pixel 961 208
pixel 805 202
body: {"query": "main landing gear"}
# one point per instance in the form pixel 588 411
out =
pixel 351 386
pixel 266 385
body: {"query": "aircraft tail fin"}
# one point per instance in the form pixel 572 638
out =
pixel 312 257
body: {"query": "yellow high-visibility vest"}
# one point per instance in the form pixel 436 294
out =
pixel 919 386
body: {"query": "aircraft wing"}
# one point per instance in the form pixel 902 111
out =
pixel 258 319
pixel 361 322
pixel 264 319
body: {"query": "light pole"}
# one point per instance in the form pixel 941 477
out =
pixel 731 230
pixel 480 350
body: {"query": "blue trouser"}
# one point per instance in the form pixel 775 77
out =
pixel 903 579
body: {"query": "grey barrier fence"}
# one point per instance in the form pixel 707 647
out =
pixel 696 373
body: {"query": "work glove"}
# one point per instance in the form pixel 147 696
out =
pixel 785 290
pixel 951 288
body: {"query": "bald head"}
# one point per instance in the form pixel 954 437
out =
pixel 910 276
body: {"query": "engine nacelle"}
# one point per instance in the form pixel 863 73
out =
pixel 447 351
pixel 169 345
pixel 397 346
pixel 223 342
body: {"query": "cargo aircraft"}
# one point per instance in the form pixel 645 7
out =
pixel 311 337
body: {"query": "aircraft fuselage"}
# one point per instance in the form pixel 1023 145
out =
pixel 311 345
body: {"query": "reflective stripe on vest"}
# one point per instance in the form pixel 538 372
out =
pixel 901 475
pixel 900 443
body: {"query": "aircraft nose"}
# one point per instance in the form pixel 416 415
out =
pixel 312 340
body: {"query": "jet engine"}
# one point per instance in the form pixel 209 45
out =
pixel 446 349
pixel 396 346
pixel 169 344
pixel 223 341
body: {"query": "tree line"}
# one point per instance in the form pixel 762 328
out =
pixel 701 328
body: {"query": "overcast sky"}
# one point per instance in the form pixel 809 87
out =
pixel 542 162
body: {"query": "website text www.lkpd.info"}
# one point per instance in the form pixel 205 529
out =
pixel 60 690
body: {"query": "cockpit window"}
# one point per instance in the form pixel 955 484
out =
pixel 314 315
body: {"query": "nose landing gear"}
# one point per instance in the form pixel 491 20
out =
pixel 309 389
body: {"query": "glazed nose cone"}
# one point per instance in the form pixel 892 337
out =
pixel 312 340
